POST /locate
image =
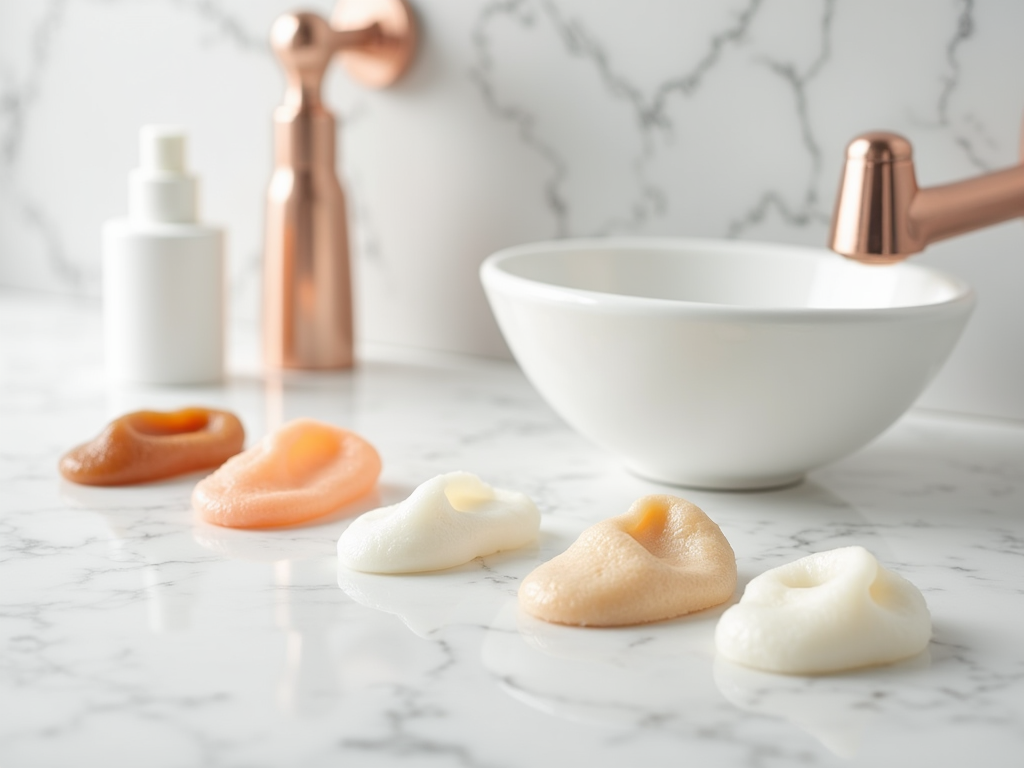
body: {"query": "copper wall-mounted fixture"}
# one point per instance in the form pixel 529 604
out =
pixel 307 294
pixel 882 216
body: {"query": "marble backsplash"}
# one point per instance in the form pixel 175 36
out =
pixel 523 120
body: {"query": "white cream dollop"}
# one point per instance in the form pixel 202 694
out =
pixel 827 612
pixel 447 521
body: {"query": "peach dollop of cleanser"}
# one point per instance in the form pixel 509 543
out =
pixel 304 470
pixel 661 559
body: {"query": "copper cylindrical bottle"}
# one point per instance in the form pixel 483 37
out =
pixel 307 291
pixel 307 285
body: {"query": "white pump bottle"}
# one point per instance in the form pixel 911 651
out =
pixel 163 275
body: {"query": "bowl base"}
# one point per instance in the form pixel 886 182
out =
pixel 720 482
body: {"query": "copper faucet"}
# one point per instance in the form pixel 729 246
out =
pixel 882 216
pixel 307 294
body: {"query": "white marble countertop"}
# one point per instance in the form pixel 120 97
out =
pixel 133 634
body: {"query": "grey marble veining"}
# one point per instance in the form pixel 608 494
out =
pixel 134 634
pixel 523 120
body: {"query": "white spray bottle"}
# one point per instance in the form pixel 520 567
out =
pixel 163 275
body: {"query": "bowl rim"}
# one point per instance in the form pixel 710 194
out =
pixel 494 278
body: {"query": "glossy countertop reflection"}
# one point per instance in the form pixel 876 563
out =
pixel 135 634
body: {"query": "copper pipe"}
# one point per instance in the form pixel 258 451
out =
pixel 882 216
pixel 307 291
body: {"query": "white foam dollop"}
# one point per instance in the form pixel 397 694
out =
pixel 447 521
pixel 827 612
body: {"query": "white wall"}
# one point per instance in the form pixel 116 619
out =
pixel 521 121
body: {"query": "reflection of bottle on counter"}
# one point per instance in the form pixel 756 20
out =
pixel 303 607
pixel 172 564
pixel 163 275
pixel 310 684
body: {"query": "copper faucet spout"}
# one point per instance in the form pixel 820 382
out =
pixel 882 216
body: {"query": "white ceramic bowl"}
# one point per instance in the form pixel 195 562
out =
pixel 722 364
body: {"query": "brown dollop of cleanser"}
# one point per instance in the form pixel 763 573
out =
pixel 662 559
pixel 144 446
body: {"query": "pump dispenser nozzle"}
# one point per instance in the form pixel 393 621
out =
pixel 162 148
pixel 161 189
